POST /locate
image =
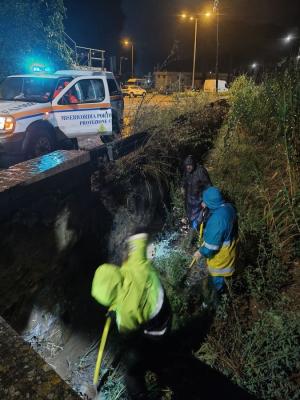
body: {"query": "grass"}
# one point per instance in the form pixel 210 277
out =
pixel 255 338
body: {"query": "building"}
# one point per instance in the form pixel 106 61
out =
pixel 174 81
pixel 178 81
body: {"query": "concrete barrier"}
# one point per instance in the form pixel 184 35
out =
pixel 24 374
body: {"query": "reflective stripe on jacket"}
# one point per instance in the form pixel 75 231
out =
pixel 222 263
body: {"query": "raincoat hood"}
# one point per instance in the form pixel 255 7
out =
pixel 107 283
pixel 189 161
pixel 213 198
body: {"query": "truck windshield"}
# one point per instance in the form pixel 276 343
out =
pixel 35 89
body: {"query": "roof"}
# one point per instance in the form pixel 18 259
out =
pixel 75 72
pixel 46 76
pixel 65 73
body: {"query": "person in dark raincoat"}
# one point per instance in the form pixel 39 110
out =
pixel 195 180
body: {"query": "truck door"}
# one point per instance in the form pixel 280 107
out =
pixel 83 108
pixel 116 98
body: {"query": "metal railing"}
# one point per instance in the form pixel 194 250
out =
pixel 85 56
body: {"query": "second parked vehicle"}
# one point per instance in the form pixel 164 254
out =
pixel 210 86
pixel 133 91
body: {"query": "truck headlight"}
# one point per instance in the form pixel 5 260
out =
pixel 7 124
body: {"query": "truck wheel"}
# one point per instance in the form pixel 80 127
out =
pixel 39 143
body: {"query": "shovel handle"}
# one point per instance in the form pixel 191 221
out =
pixel 101 350
pixel 193 262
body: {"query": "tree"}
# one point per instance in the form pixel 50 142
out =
pixel 32 31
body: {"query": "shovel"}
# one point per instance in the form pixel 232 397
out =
pixel 194 260
pixel 101 350
pixel 192 263
pixel 92 390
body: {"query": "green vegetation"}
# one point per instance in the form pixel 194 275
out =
pixel 172 263
pixel 31 31
pixel 256 332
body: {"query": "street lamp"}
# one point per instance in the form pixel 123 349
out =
pixel 194 18
pixel 126 44
pixel 288 38
pixel 290 41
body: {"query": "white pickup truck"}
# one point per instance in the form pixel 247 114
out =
pixel 39 112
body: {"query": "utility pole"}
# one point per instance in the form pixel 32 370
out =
pixel 216 11
pixel 132 67
pixel 120 69
pixel 194 18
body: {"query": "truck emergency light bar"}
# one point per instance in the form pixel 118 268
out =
pixel 40 68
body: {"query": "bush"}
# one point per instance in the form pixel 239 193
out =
pixel 248 109
pixel 172 262
pixel 263 358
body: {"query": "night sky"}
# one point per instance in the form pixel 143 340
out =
pixel 250 30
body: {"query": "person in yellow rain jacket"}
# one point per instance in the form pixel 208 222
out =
pixel 220 238
pixel 134 293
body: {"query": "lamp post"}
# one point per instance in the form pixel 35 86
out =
pixel 130 43
pixel 194 18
